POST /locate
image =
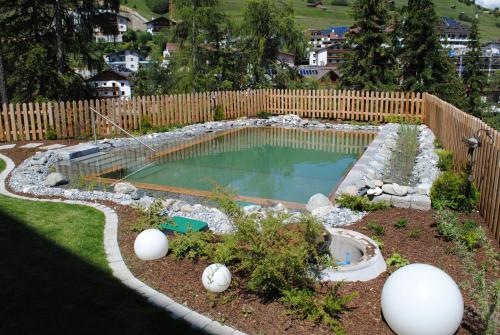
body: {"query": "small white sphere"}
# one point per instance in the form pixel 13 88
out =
pixel 216 278
pixel 151 244
pixel 422 299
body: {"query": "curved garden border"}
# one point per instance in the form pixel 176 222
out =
pixel 119 268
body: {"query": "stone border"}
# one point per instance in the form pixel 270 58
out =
pixel 119 268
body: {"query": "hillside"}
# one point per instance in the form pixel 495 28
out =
pixel 340 15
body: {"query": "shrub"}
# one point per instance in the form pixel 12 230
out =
pixel 471 234
pixel 158 6
pixel 378 242
pixel 150 217
pixel 401 223
pixel 446 223
pixel 415 233
pixel 218 113
pixel 397 260
pixel 403 156
pixel 445 162
pixel 224 198
pixel 437 143
pixel 50 134
pixel 376 228
pixel 145 125
pixel 264 115
pixel 360 203
pixel 192 245
pixel 340 3
pixel 449 190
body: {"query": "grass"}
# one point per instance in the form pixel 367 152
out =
pixel 341 15
pixel 403 156
pixel 56 279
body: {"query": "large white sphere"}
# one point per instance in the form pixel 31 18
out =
pixel 422 299
pixel 216 278
pixel 151 244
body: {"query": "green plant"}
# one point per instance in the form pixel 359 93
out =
pixel 445 162
pixel 402 120
pixel 149 217
pixel 449 190
pixel 415 233
pixel 396 260
pixel 340 3
pixel 158 6
pixel 376 228
pixel 264 115
pixel 446 223
pixel 360 203
pixel 145 125
pixel 437 143
pixel 50 133
pixel 224 198
pixel 401 223
pixel 218 113
pixel 402 161
pixel 192 245
pixel 378 242
pixel 471 234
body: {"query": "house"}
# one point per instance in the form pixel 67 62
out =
pixel 156 25
pixel 286 58
pixel 489 60
pixel 170 48
pixel 125 61
pixel 115 25
pixel 110 84
pixel 453 34
pixel 324 74
pixel 327 46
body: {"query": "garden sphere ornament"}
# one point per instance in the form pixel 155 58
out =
pixel 151 244
pixel 422 299
pixel 216 278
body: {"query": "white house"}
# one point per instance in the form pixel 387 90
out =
pixel 318 57
pixel 170 48
pixel 125 61
pixel 122 24
pixel 110 84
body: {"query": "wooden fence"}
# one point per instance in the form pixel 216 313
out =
pixel 73 119
pixel 451 126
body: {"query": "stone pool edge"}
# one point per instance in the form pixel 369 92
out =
pixel 120 269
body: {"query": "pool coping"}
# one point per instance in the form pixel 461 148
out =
pixel 120 270
pixel 97 177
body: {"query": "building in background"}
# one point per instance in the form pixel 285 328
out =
pixel 110 84
pixel 170 49
pixel 156 25
pixel 126 61
pixel 324 74
pixel 327 46
pixel 453 34
pixel 490 58
pixel 115 25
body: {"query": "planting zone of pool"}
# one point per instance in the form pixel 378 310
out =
pixel 263 165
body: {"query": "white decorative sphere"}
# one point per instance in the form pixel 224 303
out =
pixel 151 244
pixel 216 278
pixel 422 299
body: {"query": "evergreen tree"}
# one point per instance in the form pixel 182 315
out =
pixel 370 65
pixel 425 64
pixel 473 77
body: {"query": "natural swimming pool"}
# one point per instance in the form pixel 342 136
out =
pixel 260 164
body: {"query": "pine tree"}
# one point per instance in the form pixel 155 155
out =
pixel 425 64
pixel 370 65
pixel 474 78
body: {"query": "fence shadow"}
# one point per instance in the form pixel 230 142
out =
pixel 45 289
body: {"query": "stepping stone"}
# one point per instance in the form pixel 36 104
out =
pixel 31 145
pixel 78 150
pixel 7 146
pixel 53 146
pixel 183 225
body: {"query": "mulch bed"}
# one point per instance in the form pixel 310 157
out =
pixel 181 280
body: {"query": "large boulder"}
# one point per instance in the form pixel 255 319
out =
pixel 317 201
pixel 124 188
pixel 56 179
pixel 395 189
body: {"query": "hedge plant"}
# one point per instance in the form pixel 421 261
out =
pixel 449 190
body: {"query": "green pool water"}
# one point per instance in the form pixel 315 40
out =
pixel 288 165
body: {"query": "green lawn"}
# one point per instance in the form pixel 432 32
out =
pixel 55 278
pixel 340 15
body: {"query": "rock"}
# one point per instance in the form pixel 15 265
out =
pixel 375 191
pixel 137 194
pixel 388 181
pixel 176 206
pixel 378 183
pixel 124 188
pixel 145 201
pixel 251 208
pixel 350 190
pixel 168 202
pixel 187 208
pixel 318 200
pixel 280 208
pixel 395 189
pixel 56 179
pixel 322 211
pixel 424 189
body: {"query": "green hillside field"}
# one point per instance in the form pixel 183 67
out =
pixel 341 15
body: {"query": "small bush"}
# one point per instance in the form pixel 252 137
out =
pixel 376 228
pixel 360 203
pixel 378 242
pixel 471 234
pixel 449 190
pixel 149 218
pixel 401 223
pixel 218 113
pixel 192 245
pixel 402 120
pixel 224 198
pixel 397 261
pixel 445 162
pixel 145 126
pixel 437 143
pixel 50 134
pixel 264 115
pixel 446 223
pixel 415 233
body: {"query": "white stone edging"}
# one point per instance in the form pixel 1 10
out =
pixel 119 268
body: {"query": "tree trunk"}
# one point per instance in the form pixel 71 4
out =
pixel 3 87
pixel 61 64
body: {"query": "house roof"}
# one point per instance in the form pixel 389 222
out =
pixel 172 47
pixel 340 31
pixel 160 19
pixel 316 72
pixel 107 75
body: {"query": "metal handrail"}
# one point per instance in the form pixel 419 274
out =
pixel 113 123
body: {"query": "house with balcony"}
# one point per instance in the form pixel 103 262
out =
pixel 453 34
pixel 158 24
pixel 326 47
pixel 110 84
pixel 126 61
pixel 113 27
